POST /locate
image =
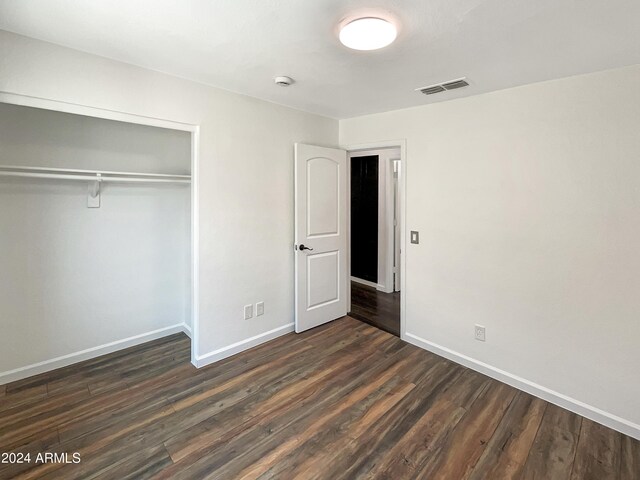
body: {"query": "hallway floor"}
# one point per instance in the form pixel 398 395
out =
pixel 376 308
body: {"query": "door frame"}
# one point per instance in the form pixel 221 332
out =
pixel 397 230
pixel 194 131
pixel 402 184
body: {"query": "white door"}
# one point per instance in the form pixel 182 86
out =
pixel 320 235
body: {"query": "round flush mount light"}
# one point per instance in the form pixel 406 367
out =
pixel 368 34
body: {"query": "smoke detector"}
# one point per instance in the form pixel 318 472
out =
pixel 443 87
pixel 283 81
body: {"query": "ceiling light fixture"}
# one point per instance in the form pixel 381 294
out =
pixel 368 34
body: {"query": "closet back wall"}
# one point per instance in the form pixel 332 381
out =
pixel 74 278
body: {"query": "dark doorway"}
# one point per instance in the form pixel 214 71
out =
pixel 364 217
pixel 374 247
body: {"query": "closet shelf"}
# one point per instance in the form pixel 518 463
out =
pixel 91 175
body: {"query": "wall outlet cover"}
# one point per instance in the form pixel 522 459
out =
pixel 248 312
pixel 259 309
pixel 480 333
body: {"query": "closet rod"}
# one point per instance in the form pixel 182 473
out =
pixel 91 175
pixel 94 178
pixel 102 172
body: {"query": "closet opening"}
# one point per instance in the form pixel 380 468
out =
pixel 375 236
pixel 97 234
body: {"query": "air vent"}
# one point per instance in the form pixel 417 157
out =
pixel 432 90
pixel 443 87
pixel 455 84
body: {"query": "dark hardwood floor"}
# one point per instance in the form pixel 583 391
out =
pixel 376 308
pixel 342 401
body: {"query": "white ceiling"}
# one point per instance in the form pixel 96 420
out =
pixel 240 45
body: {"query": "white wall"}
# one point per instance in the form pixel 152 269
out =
pixel 245 177
pixel 75 278
pixel 527 201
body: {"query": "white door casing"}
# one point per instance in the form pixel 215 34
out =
pixel 397 220
pixel 321 225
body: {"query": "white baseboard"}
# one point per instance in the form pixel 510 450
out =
pixel 364 282
pixel 242 345
pixel 69 359
pixel 378 286
pixel 186 329
pixel 597 415
pixel 383 289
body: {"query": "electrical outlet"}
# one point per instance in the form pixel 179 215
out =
pixel 480 333
pixel 259 309
pixel 248 312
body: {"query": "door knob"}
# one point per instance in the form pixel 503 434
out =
pixel 302 247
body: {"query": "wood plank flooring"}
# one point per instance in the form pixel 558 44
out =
pixel 376 308
pixel 342 401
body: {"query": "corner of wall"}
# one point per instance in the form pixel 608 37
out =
pixel 89 353
pixel 241 346
pixel 593 413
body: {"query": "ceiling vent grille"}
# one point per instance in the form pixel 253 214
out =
pixel 432 90
pixel 443 87
pixel 455 84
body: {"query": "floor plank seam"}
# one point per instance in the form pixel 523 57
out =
pixel 575 454
pixel 164 446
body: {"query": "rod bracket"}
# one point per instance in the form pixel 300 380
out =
pixel 93 199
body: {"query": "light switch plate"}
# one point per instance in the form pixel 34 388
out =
pixel 259 309
pixel 248 312
pixel 415 237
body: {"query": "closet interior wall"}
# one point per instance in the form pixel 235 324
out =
pixel 75 279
